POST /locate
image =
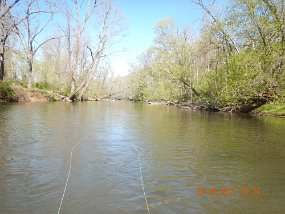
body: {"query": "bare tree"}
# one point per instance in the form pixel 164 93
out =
pixel 5 29
pixel 229 41
pixel 5 7
pixel 32 27
pixel 85 54
pixel 78 15
pixel 8 25
pixel 104 37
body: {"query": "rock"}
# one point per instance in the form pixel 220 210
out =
pixel 170 103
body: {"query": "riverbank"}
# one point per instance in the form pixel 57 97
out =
pixel 12 92
pixel 271 109
pixel 16 92
pixel 274 109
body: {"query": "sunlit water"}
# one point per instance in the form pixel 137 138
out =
pixel 183 152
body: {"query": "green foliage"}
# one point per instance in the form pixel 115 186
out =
pixel 43 85
pixel 237 79
pixel 272 108
pixel 241 68
pixel 6 92
pixel 166 70
pixel 49 95
pixel 17 83
pixel 141 91
pixel 66 90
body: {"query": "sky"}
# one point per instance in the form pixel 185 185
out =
pixel 141 16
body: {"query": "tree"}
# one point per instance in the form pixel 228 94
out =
pixel 248 59
pixel 85 55
pixel 237 60
pixel 32 27
pixel 169 63
pixel 7 26
pixel 175 54
pixel 5 7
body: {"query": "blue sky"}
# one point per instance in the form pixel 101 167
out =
pixel 142 15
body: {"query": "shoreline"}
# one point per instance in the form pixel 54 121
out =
pixel 19 94
pixel 209 108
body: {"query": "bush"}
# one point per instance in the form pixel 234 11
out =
pixel 66 90
pixel 276 108
pixel 43 85
pixel 7 93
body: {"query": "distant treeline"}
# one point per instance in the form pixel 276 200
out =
pixel 59 45
pixel 237 60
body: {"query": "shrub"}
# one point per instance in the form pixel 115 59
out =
pixel 7 93
pixel 43 85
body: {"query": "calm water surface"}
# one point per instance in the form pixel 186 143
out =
pixel 182 152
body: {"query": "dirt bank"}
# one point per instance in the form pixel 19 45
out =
pixel 16 93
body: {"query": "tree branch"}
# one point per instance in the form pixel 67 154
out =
pixel 52 38
pixel 9 8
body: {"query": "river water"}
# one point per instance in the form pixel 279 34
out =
pixel 192 161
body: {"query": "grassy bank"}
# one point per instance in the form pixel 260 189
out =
pixel 273 109
pixel 7 93
pixel 15 92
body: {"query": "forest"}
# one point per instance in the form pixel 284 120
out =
pixel 234 63
pixel 62 46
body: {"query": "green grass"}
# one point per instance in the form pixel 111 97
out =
pixel 43 85
pixel 49 95
pixel 7 93
pixel 275 109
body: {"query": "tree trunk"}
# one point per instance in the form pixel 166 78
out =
pixel 2 63
pixel 1 68
pixel 81 94
pixel 72 83
pixel 191 93
pixel 30 76
pixel 73 96
pixel 85 88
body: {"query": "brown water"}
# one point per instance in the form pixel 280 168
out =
pixel 181 151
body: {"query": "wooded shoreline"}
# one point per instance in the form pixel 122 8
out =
pixel 265 110
pixel 16 93
pixel 227 66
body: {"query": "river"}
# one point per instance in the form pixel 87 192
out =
pixel 191 161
